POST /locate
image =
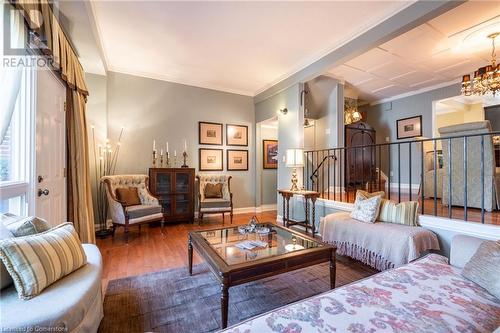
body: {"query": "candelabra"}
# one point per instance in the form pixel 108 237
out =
pixel 161 160
pixel 154 158
pixel 167 159
pixel 184 157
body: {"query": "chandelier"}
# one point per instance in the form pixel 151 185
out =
pixel 486 79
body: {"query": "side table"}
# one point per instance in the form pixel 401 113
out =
pixel 306 223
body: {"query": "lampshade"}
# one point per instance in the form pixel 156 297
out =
pixel 294 157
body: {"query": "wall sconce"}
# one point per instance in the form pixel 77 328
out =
pixel 284 111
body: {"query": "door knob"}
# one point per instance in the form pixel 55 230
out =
pixel 43 192
pixel 40 178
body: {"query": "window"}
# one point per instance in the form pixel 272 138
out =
pixel 16 153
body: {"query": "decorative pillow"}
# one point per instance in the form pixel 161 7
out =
pixel 213 191
pixel 35 262
pixel 366 210
pixel 401 213
pixel 367 195
pixel 128 195
pixel 5 279
pixel 484 267
pixel 24 226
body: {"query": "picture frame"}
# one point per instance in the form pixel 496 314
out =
pixel 210 133
pixel 270 154
pixel 237 160
pixel 410 127
pixel 236 135
pixel 210 159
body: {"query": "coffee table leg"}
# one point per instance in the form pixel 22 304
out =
pixel 190 256
pixel 224 303
pixel 333 270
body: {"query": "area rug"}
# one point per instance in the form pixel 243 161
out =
pixel 173 301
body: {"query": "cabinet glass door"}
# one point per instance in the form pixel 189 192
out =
pixel 163 183
pixel 181 182
pixel 182 204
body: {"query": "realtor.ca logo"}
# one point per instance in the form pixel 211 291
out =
pixel 23 47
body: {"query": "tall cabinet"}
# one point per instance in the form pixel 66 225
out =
pixel 360 168
pixel 175 189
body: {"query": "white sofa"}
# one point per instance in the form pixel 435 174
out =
pixel 72 304
pixel 427 295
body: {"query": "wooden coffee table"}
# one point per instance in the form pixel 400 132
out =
pixel 286 250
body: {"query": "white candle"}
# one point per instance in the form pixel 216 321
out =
pixel 185 145
pixel 175 153
pixel 154 145
pixel 161 152
pixel 167 147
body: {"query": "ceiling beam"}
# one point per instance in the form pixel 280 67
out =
pixel 403 21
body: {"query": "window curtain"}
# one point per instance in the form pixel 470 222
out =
pixel 10 77
pixel 41 20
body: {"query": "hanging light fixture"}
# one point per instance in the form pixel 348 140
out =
pixel 351 113
pixel 307 122
pixel 486 79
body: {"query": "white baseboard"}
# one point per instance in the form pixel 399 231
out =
pixel 405 187
pixel 265 208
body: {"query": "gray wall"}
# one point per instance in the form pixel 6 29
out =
pixel 150 110
pixel 383 118
pixel 492 113
pixel 290 129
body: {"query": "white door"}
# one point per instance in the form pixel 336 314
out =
pixel 50 178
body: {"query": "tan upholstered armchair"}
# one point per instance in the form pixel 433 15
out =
pixel 148 211
pixel 214 205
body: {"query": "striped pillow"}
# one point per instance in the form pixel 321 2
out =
pixel 401 213
pixel 37 261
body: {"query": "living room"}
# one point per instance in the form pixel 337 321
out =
pixel 250 166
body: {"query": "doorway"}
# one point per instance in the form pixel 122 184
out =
pixel 266 164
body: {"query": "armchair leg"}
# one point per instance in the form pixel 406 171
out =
pixel 231 216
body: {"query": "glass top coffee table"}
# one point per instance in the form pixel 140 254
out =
pixel 282 250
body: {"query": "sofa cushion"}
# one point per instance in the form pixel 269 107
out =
pixel 366 209
pixel 213 190
pixel 24 226
pixel 484 267
pixel 128 195
pixel 35 262
pixel 402 213
pixel 142 210
pixel 63 305
pixel 5 279
pixel 215 203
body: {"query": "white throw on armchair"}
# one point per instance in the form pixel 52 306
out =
pixel 148 211
pixel 214 205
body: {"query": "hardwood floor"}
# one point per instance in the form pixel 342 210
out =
pixel 154 250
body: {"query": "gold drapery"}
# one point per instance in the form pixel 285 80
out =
pixel 41 19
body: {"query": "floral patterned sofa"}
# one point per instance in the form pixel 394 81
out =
pixel 427 295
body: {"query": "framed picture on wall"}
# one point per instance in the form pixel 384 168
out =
pixel 237 160
pixel 409 127
pixel 270 154
pixel 210 159
pixel 210 133
pixel 236 135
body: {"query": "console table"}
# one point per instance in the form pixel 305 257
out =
pixel 306 223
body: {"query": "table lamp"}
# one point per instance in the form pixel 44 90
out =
pixel 294 159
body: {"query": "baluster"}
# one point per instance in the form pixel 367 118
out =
pixel 389 176
pixel 465 178
pixel 482 179
pixel 435 177
pixel 409 171
pixel 399 172
pixel 449 179
pixel 422 178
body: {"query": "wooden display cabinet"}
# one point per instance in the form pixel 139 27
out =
pixel 174 187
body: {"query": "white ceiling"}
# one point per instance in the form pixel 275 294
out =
pixel 428 55
pixel 241 47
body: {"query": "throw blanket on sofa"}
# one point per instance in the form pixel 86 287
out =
pixel 427 295
pixel 379 245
